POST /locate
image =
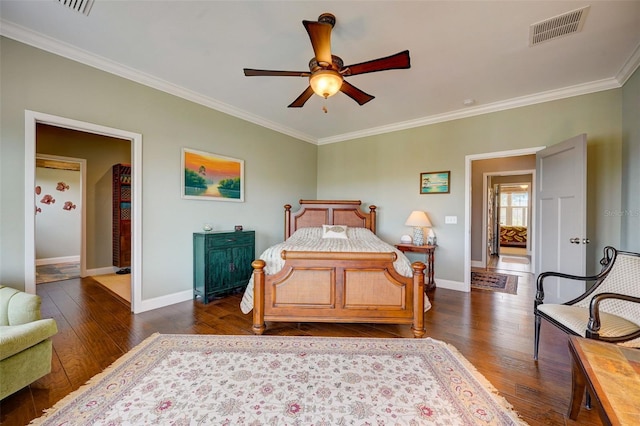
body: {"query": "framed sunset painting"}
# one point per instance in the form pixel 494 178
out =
pixel 207 176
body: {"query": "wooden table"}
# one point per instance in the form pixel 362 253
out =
pixel 612 374
pixel 429 282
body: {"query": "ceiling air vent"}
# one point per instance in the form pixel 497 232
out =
pixel 82 6
pixel 558 26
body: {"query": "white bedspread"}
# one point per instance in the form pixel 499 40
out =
pixel 310 239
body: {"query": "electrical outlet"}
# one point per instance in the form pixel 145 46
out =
pixel 451 220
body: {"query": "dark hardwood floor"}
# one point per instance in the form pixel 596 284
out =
pixel 492 330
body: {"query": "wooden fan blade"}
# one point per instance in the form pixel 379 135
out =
pixel 320 35
pixel 270 73
pixel 398 61
pixel 304 97
pixel 356 94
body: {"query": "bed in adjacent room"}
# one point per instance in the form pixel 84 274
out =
pixel 333 268
pixel 513 236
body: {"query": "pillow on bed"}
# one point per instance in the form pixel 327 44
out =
pixel 334 231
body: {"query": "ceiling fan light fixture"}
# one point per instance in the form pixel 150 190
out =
pixel 326 83
pixel 327 72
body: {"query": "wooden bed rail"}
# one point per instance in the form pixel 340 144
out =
pixel 339 287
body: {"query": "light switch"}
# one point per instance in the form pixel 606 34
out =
pixel 451 220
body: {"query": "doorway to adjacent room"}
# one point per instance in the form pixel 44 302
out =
pixel 60 214
pixel 508 226
pixel 32 120
pixel 513 162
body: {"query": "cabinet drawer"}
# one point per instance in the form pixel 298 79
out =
pixel 230 239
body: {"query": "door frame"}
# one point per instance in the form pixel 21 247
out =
pixel 83 209
pixel 32 118
pixel 485 208
pixel 467 202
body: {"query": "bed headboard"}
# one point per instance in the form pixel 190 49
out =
pixel 328 212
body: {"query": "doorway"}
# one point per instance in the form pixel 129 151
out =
pixel 508 210
pixel 60 217
pixel 475 210
pixel 32 119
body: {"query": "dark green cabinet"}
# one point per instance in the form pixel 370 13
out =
pixel 221 262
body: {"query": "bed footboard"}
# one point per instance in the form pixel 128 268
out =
pixel 339 287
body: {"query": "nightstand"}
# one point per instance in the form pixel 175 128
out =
pixel 429 282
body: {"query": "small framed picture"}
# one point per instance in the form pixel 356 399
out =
pixel 207 176
pixel 435 182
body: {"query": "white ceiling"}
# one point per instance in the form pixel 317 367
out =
pixel 459 50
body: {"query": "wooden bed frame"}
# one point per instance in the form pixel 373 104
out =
pixel 335 286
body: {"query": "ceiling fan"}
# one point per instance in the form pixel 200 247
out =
pixel 327 72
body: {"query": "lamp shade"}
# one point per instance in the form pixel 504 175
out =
pixel 418 218
pixel 325 83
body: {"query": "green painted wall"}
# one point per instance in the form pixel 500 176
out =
pixel 630 209
pixel 35 80
pixel 384 169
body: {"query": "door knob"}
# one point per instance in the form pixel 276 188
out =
pixel 574 240
pixel 585 241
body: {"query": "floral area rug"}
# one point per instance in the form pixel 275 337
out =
pixel 269 380
pixel 504 283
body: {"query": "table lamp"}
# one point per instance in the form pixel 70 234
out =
pixel 418 219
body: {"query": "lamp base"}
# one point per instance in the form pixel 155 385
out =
pixel 418 236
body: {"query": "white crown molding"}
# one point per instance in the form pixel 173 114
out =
pixel 552 95
pixel 52 45
pixel 629 66
pixel 40 41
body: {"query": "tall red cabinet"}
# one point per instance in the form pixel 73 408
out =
pixel 121 215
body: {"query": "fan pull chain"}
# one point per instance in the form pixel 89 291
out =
pixel 324 108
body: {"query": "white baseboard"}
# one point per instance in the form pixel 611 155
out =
pixel 62 259
pixel 149 304
pixel 451 285
pixel 477 264
pixel 102 271
pixel 162 301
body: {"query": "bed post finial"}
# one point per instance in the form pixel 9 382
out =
pixel 287 221
pixel 372 212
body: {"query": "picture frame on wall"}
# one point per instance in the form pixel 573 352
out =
pixel 435 182
pixel 212 177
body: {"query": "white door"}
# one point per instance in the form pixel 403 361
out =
pixel 561 216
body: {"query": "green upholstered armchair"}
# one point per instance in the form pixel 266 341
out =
pixel 25 340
